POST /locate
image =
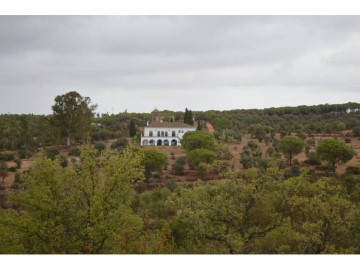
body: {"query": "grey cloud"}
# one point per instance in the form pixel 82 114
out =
pixel 138 62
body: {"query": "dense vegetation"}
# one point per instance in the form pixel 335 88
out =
pixel 100 202
pixel 93 209
pixel 17 131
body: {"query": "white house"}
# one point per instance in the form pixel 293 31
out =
pixel 164 133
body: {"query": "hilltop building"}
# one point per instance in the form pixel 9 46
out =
pixel 164 133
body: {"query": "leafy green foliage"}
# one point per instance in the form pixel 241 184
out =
pixel 99 146
pixel 251 155
pixel 72 115
pixel 51 152
pixel 290 146
pixel 120 144
pixel 178 166
pixel 197 156
pixel 6 157
pixel 188 117
pixel 26 151
pixel 198 139
pixel 86 211
pixel 334 152
pixel 75 152
pixel 132 128
pixel 153 161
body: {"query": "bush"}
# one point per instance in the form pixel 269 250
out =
pixel 313 159
pixel 17 182
pixel 171 184
pixel 63 161
pixel 51 152
pixel 75 152
pixel 353 170
pixel 347 140
pixel 100 147
pixel 293 172
pixel 18 178
pixel 198 140
pixel 6 157
pixel 119 144
pixel 140 187
pixel 178 166
pixel 154 160
pixel 12 169
pixel 26 151
pixel 15 186
pixel 197 156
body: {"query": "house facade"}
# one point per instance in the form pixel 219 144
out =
pixel 164 133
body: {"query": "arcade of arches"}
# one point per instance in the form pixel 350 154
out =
pixel 160 142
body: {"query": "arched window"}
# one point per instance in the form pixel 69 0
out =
pixel 158 133
pixel 151 133
pixel 145 142
pixel 166 133
pixel 162 133
pixel 173 133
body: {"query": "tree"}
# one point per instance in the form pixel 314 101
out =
pixel 153 161
pixel 290 146
pixel 132 128
pixel 334 152
pixel 188 117
pixel 197 156
pixel 86 211
pixel 198 139
pixel 73 114
pixel 251 155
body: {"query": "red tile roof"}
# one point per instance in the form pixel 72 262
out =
pixel 170 125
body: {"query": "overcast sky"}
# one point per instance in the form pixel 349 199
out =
pixel 172 62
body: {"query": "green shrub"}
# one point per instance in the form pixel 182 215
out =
pixel 17 182
pixel 353 170
pixel 171 184
pixel 62 160
pixel 197 156
pixel 140 187
pixel 119 144
pixel 75 152
pixel 313 159
pixel 12 169
pixel 51 152
pixel 26 151
pixel 178 166
pixel 100 147
pixel 6 157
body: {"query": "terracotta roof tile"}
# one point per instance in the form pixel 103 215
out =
pixel 170 125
